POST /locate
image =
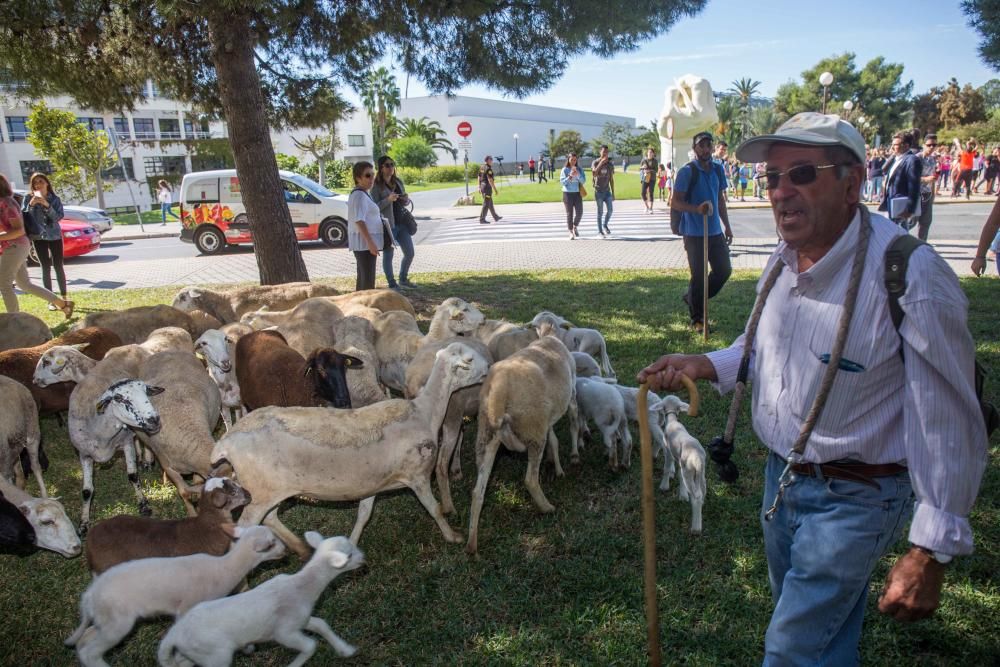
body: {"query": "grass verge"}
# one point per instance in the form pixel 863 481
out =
pixel 560 589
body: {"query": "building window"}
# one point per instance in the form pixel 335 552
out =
pixel 115 172
pixel 29 167
pixel 170 128
pixel 154 92
pixel 17 128
pixel 144 128
pixel 121 127
pixel 355 140
pixel 92 123
pixel 199 131
pixel 166 165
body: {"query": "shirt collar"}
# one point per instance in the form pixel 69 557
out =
pixel 834 261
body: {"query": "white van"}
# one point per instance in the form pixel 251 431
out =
pixel 213 215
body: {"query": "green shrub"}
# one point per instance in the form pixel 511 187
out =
pixel 412 152
pixel 410 175
pixel 444 174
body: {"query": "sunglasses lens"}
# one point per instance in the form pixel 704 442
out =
pixel 802 175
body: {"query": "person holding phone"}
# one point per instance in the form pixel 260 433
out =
pixel 45 207
pixel 14 248
pixel 390 194
pixel 572 178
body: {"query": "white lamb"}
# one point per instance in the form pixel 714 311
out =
pixel 603 404
pixel 149 587
pixel 690 458
pixel 218 349
pixel 590 341
pixel 278 610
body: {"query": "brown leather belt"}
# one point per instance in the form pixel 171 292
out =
pixel 851 471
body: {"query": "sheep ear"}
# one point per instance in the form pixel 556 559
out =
pixel 80 347
pixel 353 362
pixel 339 559
pixel 153 391
pixel 314 539
pixel 103 404
pixel 195 293
pixel 218 500
pixel 684 407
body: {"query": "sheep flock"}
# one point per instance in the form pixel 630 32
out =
pixel 249 397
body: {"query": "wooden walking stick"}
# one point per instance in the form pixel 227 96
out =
pixel 649 518
pixel 704 273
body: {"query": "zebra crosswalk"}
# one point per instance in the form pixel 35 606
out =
pixel 633 225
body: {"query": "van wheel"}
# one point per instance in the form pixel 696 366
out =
pixel 210 241
pixel 333 233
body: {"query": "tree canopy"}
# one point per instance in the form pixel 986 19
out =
pixel 284 62
pixel 984 16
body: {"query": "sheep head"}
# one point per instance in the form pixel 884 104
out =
pixel 130 405
pixel 225 494
pixel 327 368
pixel 463 316
pixel 187 299
pixel 52 363
pixel 467 366
pixel 338 552
pixel 53 529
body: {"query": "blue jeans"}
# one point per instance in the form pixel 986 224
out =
pixel 165 211
pixel 821 547
pixel 875 187
pixel 603 198
pixel 406 245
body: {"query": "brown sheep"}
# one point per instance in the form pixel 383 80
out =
pixel 125 538
pixel 270 372
pixel 20 365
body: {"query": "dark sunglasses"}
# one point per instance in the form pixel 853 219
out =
pixel 368 175
pixel 931 145
pixel 389 164
pixel 804 174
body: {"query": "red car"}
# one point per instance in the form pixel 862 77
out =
pixel 79 238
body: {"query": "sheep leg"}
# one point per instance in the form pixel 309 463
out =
pixel 574 429
pixel 183 489
pixel 297 641
pixel 626 438
pixel 422 487
pixel 19 479
pixel 321 628
pixel 87 466
pixel 91 651
pixel 484 459
pixel 227 418
pixel 610 446
pixel 291 540
pixel 553 451
pixel 364 514
pixel 133 478
pixel 448 449
pixel 668 468
pixel 456 457
pixel 531 479
pixel 36 468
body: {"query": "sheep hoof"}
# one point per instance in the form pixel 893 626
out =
pixel 547 508
pixel 144 509
pixel 248 649
pixel 454 537
pixel 82 530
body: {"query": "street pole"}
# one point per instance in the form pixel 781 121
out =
pixel 466 173
pixel 515 153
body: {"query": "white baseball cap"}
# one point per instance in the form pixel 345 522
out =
pixel 806 129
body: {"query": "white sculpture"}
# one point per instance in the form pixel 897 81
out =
pixel 688 108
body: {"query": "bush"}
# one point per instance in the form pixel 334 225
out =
pixel 410 175
pixel 445 174
pixel 412 152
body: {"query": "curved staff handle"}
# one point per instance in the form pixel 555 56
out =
pixel 648 530
pixel 694 398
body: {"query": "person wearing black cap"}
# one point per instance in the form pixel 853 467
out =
pixel 708 196
pixel 861 412
pixel 487 187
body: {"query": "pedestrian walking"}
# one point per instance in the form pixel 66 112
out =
pixel 602 172
pixel 487 187
pixel 46 209
pixel 840 476
pixel 542 168
pixel 625 165
pixel 572 179
pixel 647 177
pixel 876 175
pixel 531 168
pixel 944 162
pixel 390 195
pixel 928 184
pixel 901 200
pixel 706 197
pixel 966 160
pixel 367 232
pixel 552 166
pixel 165 195
pixel 14 249
pixel 661 181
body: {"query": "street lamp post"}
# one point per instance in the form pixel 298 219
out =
pixel 515 151
pixel 848 107
pixel 825 79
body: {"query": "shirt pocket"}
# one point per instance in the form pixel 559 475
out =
pixel 856 387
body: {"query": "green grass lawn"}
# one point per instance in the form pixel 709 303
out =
pixel 559 589
pixel 626 187
pixel 148 217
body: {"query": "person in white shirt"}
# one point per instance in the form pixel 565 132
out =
pixel 165 195
pixel 901 418
pixel 366 233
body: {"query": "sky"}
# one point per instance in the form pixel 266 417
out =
pixel 772 42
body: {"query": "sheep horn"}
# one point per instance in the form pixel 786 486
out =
pixel 694 398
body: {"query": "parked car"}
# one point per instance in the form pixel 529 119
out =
pixel 100 220
pixel 79 238
pixel 213 215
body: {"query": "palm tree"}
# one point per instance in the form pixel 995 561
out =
pixel 744 90
pixel 727 110
pixel 764 120
pixel 380 95
pixel 425 128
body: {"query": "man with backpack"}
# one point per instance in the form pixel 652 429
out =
pixel 864 390
pixel 700 190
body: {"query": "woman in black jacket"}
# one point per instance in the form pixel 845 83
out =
pixel 42 204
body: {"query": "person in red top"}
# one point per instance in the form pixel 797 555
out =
pixel 531 168
pixel 965 159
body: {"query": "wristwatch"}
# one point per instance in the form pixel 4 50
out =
pixel 936 556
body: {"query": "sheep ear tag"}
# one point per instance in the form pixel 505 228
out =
pixel 102 405
pixel 338 559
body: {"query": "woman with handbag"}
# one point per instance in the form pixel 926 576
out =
pixel 46 209
pixel 14 248
pixel 390 195
pixel 573 192
pixel 367 231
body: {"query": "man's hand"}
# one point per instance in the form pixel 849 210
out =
pixel 705 208
pixel 979 266
pixel 665 372
pixel 729 235
pixel 913 587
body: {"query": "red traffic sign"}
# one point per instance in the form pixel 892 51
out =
pixel 464 129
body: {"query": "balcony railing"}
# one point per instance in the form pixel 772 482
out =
pixel 175 134
pixel 18 136
pixel 144 136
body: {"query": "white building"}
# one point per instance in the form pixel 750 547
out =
pixel 495 123
pixel 159 138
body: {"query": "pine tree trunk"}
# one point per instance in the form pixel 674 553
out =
pixel 100 189
pixel 279 258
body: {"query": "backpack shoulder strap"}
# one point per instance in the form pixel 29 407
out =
pixel 897 257
pixel 694 177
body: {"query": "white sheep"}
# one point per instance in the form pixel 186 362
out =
pixel 690 457
pixel 521 399
pixel 347 455
pixel 397 337
pixel 22 330
pixel 19 431
pixel 134 325
pixel 306 327
pixel 603 404
pixel 355 336
pixel 278 610
pixel 586 365
pixel 53 529
pixel 149 587
pixel 490 329
pixel 508 341
pixel 218 349
pixel 590 341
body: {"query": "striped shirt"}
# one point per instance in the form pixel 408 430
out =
pixel 923 414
